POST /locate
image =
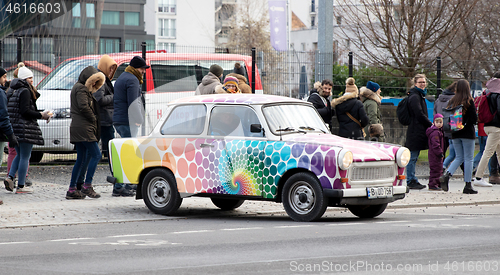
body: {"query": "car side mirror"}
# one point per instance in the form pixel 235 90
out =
pixel 255 128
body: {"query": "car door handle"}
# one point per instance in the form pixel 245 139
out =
pixel 203 145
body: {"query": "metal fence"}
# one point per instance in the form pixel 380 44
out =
pixel 289 73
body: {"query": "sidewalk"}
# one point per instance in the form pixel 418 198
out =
pixel 48 206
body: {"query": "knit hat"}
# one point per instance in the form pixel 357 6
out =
pixel 438 115
pixel 2 71
pixel 350 86
pixel 231 79
pixel 138 62
pixel 24 73
pixel 216 70
pixel 19 65
pixel 238 69
pixel 372 86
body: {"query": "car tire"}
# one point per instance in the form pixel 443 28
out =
pixel 303 197
pixel 159 192
pixel 36 156
pixel 367 211
pixel 227 204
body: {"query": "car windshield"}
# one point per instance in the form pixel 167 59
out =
pixel 66 74
pixel 292 118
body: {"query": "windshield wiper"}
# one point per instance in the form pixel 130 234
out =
pixel 289 129
pixel 309 128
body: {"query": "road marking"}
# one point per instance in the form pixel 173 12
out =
pixel 72 239
pixel 293 226
pixel 194 231
pixel 352 223
pixel 431 220
pixel 129 242
pixel 242 228
pixel 16 243
pixel 132 235
pixel 391 222
pixel 442 226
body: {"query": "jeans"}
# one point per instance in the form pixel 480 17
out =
pixel 85 150
pixel 482 144
pixel 410 168
pixel 464 149
pixel 2 145
pixel 451 156
pixel 107 134
pixel 21 162
pixel 124 131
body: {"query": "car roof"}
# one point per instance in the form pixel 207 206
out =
pixel 159 56
pixel 245 99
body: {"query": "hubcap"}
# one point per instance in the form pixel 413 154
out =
pixel 159 192
pixel 302 198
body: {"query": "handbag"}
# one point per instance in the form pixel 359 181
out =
pixel 453 119
pixel 357 121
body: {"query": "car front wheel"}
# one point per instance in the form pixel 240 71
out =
pixel 303 198
pixel 227 204
pixel 367 211
pixel 159 191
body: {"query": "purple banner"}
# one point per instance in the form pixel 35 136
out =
pixel 277 20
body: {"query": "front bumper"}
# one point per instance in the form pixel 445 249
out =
pixel 358 196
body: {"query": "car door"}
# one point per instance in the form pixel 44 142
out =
pixel 236 161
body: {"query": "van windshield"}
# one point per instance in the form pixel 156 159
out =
pixel 185 75
pixel 66 74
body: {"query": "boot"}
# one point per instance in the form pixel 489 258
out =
pixel 468 189
pixel 494 179
pixel 443 181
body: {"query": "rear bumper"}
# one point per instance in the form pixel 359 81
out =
pixel 358 196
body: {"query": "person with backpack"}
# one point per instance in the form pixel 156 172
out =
pixel 440 103
pixel 371 98
pixel 492 129
pixel 416 138
pixel 463 139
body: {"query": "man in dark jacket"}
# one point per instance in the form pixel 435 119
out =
pixel 128 108
pixel 210 81
pixel 320 98
pixel 416 139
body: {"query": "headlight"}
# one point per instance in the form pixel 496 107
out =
pixel 345 159
pixel 61 113
pixel 403 156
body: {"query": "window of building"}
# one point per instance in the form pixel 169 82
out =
pixel 77 17
pixel 132 18
pixel 167 6
pixel 166 28
pixel 90 11
pixel 130 45
pixel 150 45
pixel 109 45
pixel 339 20
pixel 110 18
pixel 169 47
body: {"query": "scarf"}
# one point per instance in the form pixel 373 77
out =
pixel 424 91
pixel 135 72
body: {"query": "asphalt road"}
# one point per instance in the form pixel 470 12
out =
pixel 440 240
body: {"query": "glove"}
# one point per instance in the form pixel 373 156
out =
pixel 13 141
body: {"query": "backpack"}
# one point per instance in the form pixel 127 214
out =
pixel 483 108
pixel 453 119
pixel 403 112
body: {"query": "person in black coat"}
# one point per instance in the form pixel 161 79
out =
pixel 416 139
pixel 351 115
pixel 319 97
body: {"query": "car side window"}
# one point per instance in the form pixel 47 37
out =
pixel 185 120
pixel 233 121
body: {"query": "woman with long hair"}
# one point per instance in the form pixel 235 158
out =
pixel 463 140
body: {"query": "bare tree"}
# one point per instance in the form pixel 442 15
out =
pixel 402 36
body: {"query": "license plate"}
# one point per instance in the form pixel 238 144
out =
pixel 379 192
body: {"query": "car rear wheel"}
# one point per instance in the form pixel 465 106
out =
pixel 367 211
pixel 36 156
pixel 303 198
pixel 159 191
pixel 227 204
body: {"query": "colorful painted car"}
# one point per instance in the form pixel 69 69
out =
pixel 232 148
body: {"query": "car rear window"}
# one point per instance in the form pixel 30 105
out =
pixel 66 74
pixel 185 120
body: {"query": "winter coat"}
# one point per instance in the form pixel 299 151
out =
pixel 127 92
pixel 242 83
pixel 416 139
pixel 323 106
pixel 104 97
pixel 85 119
pixel 208 84
pixel 371 104
pixel 435 138
pixel 347 127
pixel 5 126
pixel 441 102
pixel 23 112
pixel 469 120
pixel 493 93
